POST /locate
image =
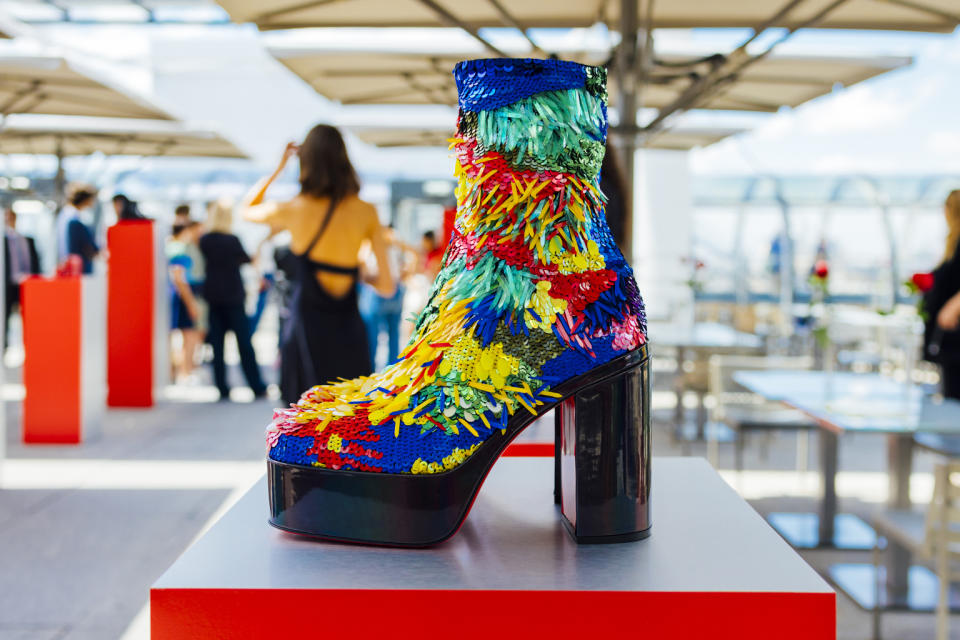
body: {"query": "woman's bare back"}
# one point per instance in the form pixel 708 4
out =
pixel 353 221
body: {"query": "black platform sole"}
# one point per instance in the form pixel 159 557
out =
pixel 603 469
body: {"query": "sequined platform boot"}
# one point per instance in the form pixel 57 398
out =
pixel 534 309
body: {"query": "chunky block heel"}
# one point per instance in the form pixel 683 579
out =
pixel 603 459
pixel 557 443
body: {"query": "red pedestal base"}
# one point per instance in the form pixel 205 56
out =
pixel 131 281
pixel 488 615
pixel 63 369
pixel 712 569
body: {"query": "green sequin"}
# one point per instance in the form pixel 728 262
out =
pixel 553 131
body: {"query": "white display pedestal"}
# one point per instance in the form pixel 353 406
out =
pixel 712 569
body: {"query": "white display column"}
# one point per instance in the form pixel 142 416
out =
pixel 662 228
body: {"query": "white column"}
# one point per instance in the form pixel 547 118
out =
pixel 93 355
pixel 662 227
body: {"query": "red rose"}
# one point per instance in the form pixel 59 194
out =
pixel 821 270
pixel 923 281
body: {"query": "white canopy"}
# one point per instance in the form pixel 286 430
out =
pixel 372 77
pixel 680 137
pixel 56 85
pixel 83 136
pixel 900 15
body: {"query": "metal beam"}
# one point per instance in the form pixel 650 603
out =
pixel 742 104
pixel 773 21
pixel 449 19
pixel 64 12
pixel 7 107
pixel 738 60
pixel 513 22
pixel 43 90
pixel 293 8
pixel 379 97
pixel 627 57
pixel 933 11
pixel 59 181
pixel 432 93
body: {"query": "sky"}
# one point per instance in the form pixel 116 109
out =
pixel 222 77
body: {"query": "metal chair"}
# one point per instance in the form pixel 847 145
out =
pixel 746 412
pixel 693 378
pixel 933 537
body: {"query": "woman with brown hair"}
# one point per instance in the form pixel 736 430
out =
pixel 324 337
pixel 942 305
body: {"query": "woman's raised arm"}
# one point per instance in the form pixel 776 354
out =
pixel 253 207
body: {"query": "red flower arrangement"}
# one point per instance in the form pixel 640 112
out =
pixel 821 269
pixel 922 281
pixel 918 284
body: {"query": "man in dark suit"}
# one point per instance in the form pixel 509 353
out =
pixel 20 261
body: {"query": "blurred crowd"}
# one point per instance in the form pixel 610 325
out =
pixel 208 296
pixel 341 283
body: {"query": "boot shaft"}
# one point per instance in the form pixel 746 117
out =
pixel 530 223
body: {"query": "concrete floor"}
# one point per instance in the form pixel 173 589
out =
pixel 85 530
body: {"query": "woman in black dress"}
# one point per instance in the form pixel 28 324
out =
pixel 324 336
pixel 223 290
pixel 942 305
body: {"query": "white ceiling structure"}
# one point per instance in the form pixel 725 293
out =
pixel 80 136
pixel 57 85
pixel 400 77
pixel 743 78
pixel 901 15
pixel 679 138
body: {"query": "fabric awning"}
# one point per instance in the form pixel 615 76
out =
pixel 675 138
pixel 368 77
pixel 900 15
pixel 84 136
pixel 56 85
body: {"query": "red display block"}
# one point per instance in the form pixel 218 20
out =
pixel 711 569
pixel 63 368
pixel 132 314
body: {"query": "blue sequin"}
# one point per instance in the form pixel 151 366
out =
pixel 492 83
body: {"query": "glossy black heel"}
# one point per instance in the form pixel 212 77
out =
pixel 607 486
pixel 603 459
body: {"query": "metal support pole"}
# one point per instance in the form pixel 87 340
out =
pixel 59 197
pixel 448 18
pixel 627 59
pixel 899 465
pixel 829 454
pixel 60 180
pixel 883 203
pixel 738 60
pixel 787 281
